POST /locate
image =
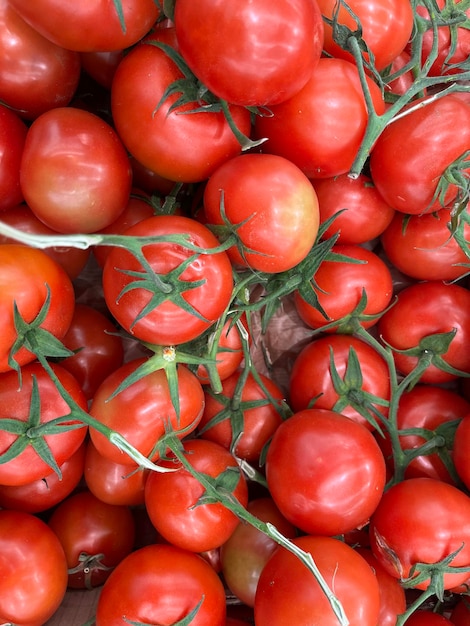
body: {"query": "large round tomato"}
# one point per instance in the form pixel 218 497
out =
pixel 26 276
pixel 288 593
pixel 194 291
pixel 422 520
pixel 75 174
pixel 428 618
pixel 12 138
pixel 179 143
pixel 325 472
pixel 321 128
pixel 33 569
pixel 254 54
pixel 161 584
pixel 269 205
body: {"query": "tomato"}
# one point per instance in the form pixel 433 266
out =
pixel 460 615
pixel 317 495
pixel 179 144
pixel 35 74
pixel 269 204
pixel 331 105
pixel 424 309
pixel 339 285
pixel 421 246
pixel 243 417
pixel 111 482
pixel 33 567
pixel 427 618
pixel 26 275
pixel 100 349
pixel 101 65
pixel 198 286
pixel 95 535
pixel 422 520
pixel 171 498
pixel 12 139
pixel 311 380
pixel 288 593
pixel 247 550
pixel 460 457
pixel 386 28
pixel 75 174
pixel 168 583
pixel 94 26
pixel 45 492
pixel 429 407
pixel 408 179
pixel 361 212
pixel 141 411
pixel 255 54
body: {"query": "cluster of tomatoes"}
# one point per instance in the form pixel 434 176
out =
pixel 235 311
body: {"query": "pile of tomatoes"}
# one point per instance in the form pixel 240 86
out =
pixel 234 356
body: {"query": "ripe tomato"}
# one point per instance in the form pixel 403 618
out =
pixel 172 499
pixel 75 174
pixel 34 570
pixel 422 520
pixel 253 54
pixel 92 26
pixel 288 593
pixel 424 309
pixel 460 615
pixel 199 286
pixel 331 105
pixel 167 584
pixel 460 456
pixel 26 274
pixel 12 138
pixel 428 618
pixel 316 495
pixel 339 285
pixel 101 65
pixel 179 144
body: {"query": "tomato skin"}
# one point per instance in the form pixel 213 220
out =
pixel 422 520
pixel 183 148
pixel 36 570
pixel 171 498
pixel 408 179
pixel 168 583
pixel 101 65
pixel 339 286
pixel 92 26
pixel 12 139
pixel 460 615
pixel 427 618
pixel 460 457
pixel 276 200
pixel 330 105
pixel 288 593
pixel 75 174
pixel 317 496
pixel 433 307
pixel 168 323
pixel 260 53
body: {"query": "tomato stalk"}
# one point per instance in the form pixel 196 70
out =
pixel 87 564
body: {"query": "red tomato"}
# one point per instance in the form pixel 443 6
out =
pixel 12 139
pixel 331 105
pixel 288 593
pixel 424 309
pixel 199 286
pixel 427 618
pixel 421 246
pixel 311 380
pixel 364 214
pixel 95 535
pixel 34 570
pixel 460 615
pixel 35 74
pixel 339 285
pixel 25 275
pixel 254 54
pixel 271 207
pixel 171 499
pixel 247 550
pixel 408 179
pixel 317 495
pixel 168 583
pixel 179 144
pixel 141 412
pixel 422 520
pixel 101 65
pixel 92 26
pixel 461 447
pixel 243 417
pixel 75 174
